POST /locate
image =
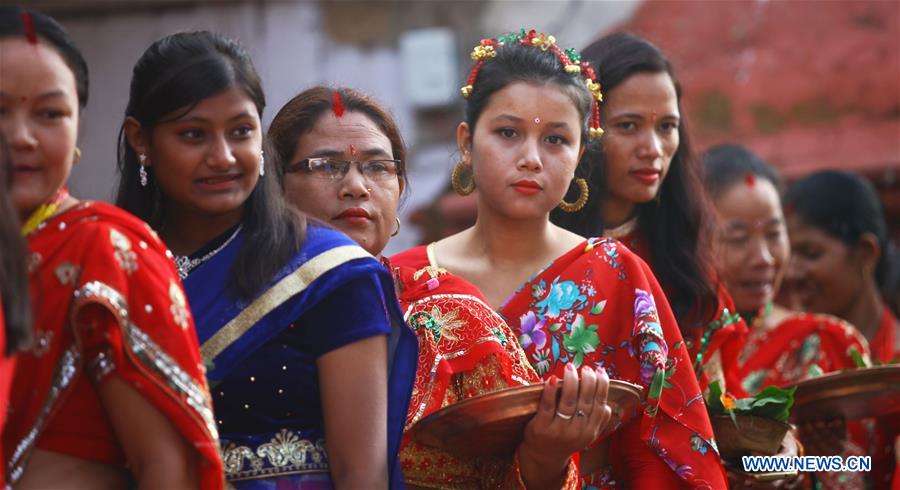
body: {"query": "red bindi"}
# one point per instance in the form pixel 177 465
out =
pixel 337 105
pixel 24 99
pixel 750 179
pixel 352 150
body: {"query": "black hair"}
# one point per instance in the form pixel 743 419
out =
pixel 676 226
pixel 172 76
pixel 845 206
pixel 13 274
pixel 12 23
pixel 727 165
pixel 515 62
pixel 300 114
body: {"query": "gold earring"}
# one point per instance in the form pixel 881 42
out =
pixel 397 231
pixel 456 180
pixel 571 207
pixel 77 155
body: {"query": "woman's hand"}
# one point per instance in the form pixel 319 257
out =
pixel 824 437
pixel 562 428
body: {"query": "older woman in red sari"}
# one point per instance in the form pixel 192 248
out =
pixel 113 382
pixel 347 169
pixel 783 346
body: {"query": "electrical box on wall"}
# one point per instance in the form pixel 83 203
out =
pixel 428 58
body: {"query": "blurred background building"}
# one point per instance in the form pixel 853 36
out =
pixel 808 84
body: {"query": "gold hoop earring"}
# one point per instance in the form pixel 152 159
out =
pixel 397 231
pixel 77 155
pixel 571 207
pixel 456 180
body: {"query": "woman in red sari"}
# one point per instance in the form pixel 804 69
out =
pixel 573 303
pixel 782 347
pixel 15 308
pixel 465 348
pixel 113 382
pixel 841 264
pixel 646 192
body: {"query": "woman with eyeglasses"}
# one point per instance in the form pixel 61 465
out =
pixel 347 169
pixel 310 363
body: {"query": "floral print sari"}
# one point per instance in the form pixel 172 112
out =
pixel 599 305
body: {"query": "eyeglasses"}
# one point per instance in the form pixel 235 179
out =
pixel 333 169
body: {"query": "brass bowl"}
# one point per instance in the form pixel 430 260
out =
pixel 493 424
pixel 747 435
pixel 851 395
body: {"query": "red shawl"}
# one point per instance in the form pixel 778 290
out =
pixel 597 305
pixel 95 255
pixel 465 349
pixel 7 366
pixel 787 353
pixel 706 344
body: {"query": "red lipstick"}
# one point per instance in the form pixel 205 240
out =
pixel 354 215
pixel 647 176
pixel 527 187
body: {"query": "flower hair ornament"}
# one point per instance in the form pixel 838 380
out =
pixel 570 60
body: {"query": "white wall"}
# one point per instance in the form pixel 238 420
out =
pixel 292 52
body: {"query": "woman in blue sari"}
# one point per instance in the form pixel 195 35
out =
pixel 310 362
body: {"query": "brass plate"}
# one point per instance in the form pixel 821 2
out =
pixel 493 424
pixel 853 395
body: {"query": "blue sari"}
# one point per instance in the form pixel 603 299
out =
pixel 261 356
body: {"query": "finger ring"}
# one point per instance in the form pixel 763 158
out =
pixel 580 413
pixel 562 415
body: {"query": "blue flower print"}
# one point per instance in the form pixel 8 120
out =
pixel 562 296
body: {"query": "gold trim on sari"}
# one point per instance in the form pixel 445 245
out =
pixel 289 286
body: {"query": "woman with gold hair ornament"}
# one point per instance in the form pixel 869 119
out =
pixel 572 303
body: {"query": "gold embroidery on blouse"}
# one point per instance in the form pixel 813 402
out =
pixel 288 287
pixel 285 453
pixel 421 398
pixel 179 308
pixel 428 467
pixel 125 256
pixel 34 260
pixel 67 273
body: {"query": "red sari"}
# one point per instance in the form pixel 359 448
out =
pixel 597 305
pixel 465 349
pixel 797 348
pixel 707 346
pixel 7 366
pixel 886 344
pixel 107 302
pixel 886 348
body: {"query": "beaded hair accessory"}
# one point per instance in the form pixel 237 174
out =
pixel 570 59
